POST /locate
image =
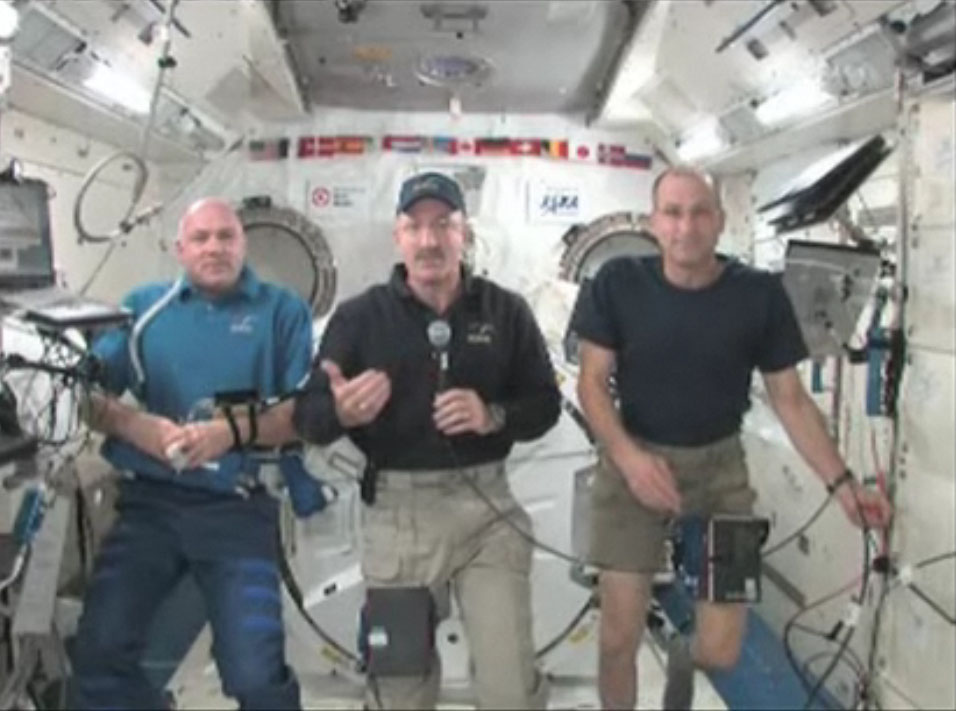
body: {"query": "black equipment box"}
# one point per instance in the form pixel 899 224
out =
pixel 398 631
pixel 718 559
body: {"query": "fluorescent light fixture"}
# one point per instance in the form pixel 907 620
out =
pixel 702 141
pixel 120 89
pixel 9 20
pixel 797 100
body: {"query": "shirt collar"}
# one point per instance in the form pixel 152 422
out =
pixel 247 287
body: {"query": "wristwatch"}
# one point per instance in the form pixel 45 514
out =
pixel 844 478
pixel 498 416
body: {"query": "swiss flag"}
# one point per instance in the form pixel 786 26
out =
pixel 525 147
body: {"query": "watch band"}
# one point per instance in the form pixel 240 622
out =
pixel 845 477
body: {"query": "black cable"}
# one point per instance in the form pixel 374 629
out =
pixel 505 516
pixel 801 530
pixel 295 592
pixel 865 531
pixel 935 559
pixel 857 672
pixel 568 629
pixel 376 692
pixel 932 603
pixel 742 29
pixel 792 622
pixel 852 658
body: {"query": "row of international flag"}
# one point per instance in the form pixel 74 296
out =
pixel 306 147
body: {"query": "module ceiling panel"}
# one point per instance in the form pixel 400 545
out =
pixel 529 55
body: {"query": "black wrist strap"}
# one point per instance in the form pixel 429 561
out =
pixel 233 427
pixel 845 477
pixel 253 424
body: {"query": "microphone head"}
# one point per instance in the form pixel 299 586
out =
pixel 439 334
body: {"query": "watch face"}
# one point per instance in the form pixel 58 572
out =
pixel 496 414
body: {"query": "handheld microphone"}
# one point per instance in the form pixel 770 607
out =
pixel 439 335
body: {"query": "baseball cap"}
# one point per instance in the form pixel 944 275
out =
pixel 430 185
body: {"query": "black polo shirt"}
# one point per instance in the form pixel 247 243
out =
pixel 496 349
pixel 685 356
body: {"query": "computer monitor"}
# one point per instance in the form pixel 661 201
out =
pixel 822 188
pixel 26 249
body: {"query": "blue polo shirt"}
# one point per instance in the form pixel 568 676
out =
pixel 258 337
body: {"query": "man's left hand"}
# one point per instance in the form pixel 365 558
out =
pixel 864 505
pixel 459 410
pixel 201 442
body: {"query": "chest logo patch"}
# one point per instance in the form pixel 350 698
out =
pixel 480 332
pixel 243 324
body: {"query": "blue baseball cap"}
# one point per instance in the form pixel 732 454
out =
pixel 430 185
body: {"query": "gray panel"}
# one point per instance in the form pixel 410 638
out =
pixel 543 59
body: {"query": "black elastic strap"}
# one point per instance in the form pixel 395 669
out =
pixel 234 428
pixel 253 424
pixel 368 484
pixel 845 477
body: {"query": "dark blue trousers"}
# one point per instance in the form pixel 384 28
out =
pixel 229 546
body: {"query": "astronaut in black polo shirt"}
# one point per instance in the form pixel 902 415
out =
pixel 682 333
pixel 434 375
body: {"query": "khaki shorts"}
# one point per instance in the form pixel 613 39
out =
pixel 627 536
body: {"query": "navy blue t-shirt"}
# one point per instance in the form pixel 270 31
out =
pixel 685 356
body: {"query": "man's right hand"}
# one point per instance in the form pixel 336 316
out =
pixel 150 433
pixel 649 478
pixel 358 400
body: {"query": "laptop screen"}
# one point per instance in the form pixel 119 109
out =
pixel 26 248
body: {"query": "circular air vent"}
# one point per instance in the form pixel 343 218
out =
pixel 453 70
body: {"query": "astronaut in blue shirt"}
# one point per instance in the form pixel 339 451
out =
pixel 193 504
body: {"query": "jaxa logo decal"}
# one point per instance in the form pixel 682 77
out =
pixel 243 324
pixel 480 333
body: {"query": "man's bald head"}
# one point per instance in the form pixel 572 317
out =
pixel 207 205
pixel 685 171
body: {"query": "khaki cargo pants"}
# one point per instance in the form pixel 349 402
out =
pixel 431 528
